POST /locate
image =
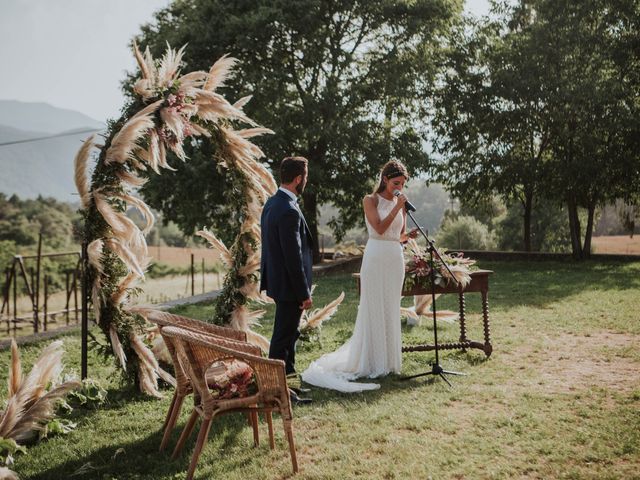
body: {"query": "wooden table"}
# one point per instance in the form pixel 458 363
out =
pixel 480 284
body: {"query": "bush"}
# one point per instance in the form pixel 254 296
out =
pixel 465 233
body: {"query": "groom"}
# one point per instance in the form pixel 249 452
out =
pixel 285 269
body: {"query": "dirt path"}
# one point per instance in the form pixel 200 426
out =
pixel 570 363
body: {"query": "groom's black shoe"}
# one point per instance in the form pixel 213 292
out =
pixel 296 400
pixel 299 390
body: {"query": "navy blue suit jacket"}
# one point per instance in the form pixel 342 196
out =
pixel 287 257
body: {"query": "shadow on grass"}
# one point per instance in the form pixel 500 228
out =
pixel 141 459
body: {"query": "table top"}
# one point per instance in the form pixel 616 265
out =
pixel 475 273
pixel 479 283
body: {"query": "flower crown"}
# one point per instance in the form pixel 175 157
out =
pixel 395 173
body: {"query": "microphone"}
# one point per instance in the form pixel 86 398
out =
pixel 407 205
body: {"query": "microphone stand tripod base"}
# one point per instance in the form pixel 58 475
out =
pixel 435 370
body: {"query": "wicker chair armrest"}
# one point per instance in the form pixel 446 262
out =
pixel 226 343
pixel 162 318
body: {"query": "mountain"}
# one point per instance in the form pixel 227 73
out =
pixel 43 166
pixel 10 134
pixel 42 117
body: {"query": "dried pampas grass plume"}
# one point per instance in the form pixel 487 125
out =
pixel 169 66
pixel 121 225
pixel 320 315
pixel 6 474
pixel 126 140
pixel 217 244
pixel 147 367
pixel 258 340
pixel 15 369
pixel 131 178
pixel 219 72
pixel 144 68
pixel 144 209
pixel 127 257
pixel 117 347
pixel 80 166
pixel 94 255
pixel 29 405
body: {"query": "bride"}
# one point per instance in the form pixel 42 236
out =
pixel 375 347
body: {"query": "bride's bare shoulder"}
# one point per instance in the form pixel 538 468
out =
pixel 371 199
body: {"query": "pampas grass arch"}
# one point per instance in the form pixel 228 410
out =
pixel 167 109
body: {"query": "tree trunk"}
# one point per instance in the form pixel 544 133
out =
pixel 311 215
pixel 316 154
pixel 574 228
pixel 528 205
pixel 586 249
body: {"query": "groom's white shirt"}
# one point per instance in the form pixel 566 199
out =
pixel 290 193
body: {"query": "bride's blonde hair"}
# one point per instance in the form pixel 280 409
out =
pixel 391 169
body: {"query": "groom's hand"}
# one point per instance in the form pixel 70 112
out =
pixel 307 304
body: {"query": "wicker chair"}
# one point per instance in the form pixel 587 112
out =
pixel 196 353
pixel 183 386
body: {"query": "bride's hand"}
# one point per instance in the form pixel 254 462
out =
pixel 402 199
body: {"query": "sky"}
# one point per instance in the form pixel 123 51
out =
pixel 74 53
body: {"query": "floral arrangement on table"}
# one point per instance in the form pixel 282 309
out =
pixel 418 268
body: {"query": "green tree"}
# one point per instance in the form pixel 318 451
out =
pixel 549 227
pixel 490 118
pixel 592 92
pixel 342 83
pixel 540 101
pixel 22 220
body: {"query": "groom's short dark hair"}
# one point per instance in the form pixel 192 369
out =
pixel 291 167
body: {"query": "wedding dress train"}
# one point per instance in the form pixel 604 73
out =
pixel 375 348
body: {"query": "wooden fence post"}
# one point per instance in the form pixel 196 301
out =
pixel 193 274
pixel 46 294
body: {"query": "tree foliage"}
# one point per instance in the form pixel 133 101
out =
pixel 538 100
pixel 22 220
pixel 342 83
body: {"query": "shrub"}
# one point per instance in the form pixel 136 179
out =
pixel 465 233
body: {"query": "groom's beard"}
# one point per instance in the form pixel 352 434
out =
pixel 300 188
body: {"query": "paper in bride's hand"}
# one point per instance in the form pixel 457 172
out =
pixel 418 266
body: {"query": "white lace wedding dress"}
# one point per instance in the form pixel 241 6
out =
pixel 375 348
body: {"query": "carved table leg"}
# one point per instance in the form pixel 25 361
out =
pixel 463 325
pixel 485 321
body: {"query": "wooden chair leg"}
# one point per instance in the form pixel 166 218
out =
pixel 202 439
pixel 288 428
pixel 176 406
pixel 254 425
pixel 166 419
pixel 185 434
pixel 272 442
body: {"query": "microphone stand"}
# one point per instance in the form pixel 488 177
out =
pixel 436 369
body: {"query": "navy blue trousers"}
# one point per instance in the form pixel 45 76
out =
pixel 285 333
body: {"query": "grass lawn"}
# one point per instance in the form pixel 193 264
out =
pixel 559 397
